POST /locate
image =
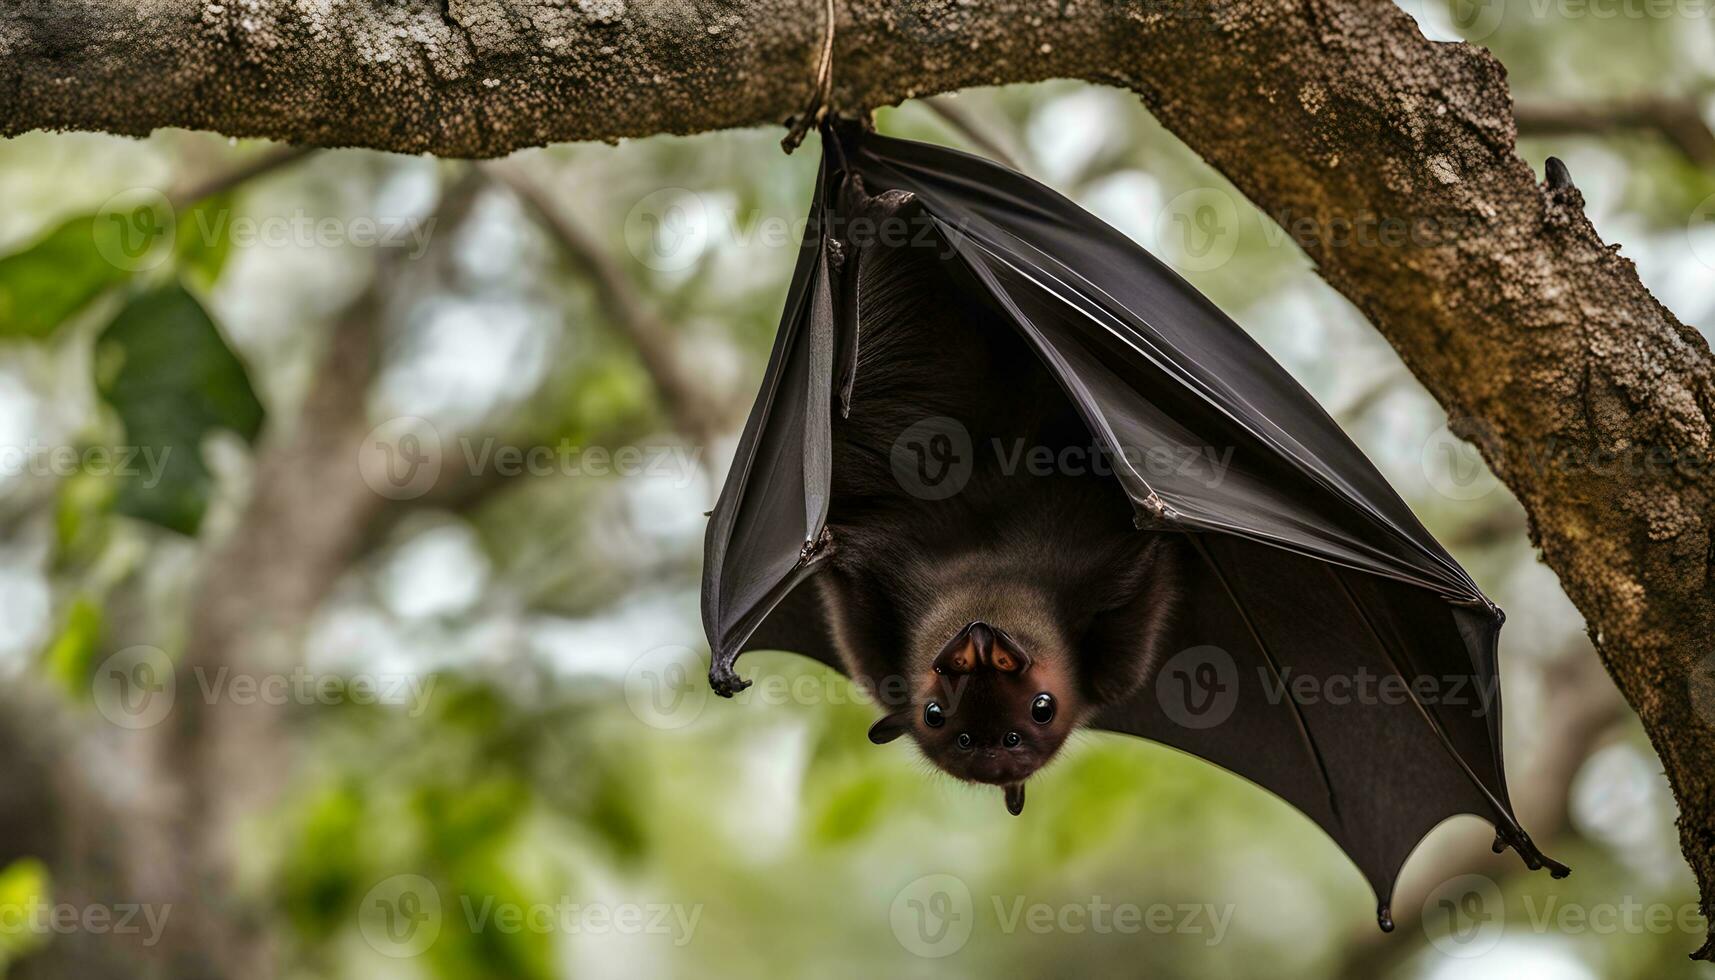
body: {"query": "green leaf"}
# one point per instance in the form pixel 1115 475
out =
pixel 71 658
pixel 172 380
pixel 203 241
pixel 81 510
pixel 52 279
pixel 24 888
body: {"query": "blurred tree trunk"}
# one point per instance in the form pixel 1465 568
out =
pixel 1587 397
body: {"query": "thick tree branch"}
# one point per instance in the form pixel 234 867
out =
pixel 1590 400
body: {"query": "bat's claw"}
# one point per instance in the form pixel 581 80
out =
pixel 1384 917
pixel 726 681
pixel 1015 799
pixel 1534 859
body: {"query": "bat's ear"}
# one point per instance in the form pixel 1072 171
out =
pixel 1006 656
pixel 959 656
pixel 890 726
pixel 981 645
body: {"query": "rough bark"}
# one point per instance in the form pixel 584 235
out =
pixel 1588 398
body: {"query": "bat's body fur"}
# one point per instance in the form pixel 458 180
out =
pixel 1048 559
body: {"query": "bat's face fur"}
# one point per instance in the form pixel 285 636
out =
pixel 989 704
pixel 991 711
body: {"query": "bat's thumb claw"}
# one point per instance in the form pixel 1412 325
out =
pixel 1015 799
pixel 726 681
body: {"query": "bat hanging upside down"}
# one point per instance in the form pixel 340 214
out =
pixel 916 501
pixel 986 583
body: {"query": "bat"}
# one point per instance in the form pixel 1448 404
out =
pixel 994 620
pixel 1013 476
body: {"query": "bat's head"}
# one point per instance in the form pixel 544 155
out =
pixel 990 710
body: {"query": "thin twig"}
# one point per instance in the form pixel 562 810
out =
pixel 1679 120
pixel 689 407
pixel 955 116
pixel 265 163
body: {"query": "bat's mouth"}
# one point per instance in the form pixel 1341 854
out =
pixel 997 766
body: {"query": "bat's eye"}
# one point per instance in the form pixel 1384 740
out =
pixel 1011 739
pixel 964 740
pixel 932 715
pixel 1042 709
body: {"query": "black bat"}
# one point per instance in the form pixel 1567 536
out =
pixel 1014 476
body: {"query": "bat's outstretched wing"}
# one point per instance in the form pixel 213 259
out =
pixel 1332 651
